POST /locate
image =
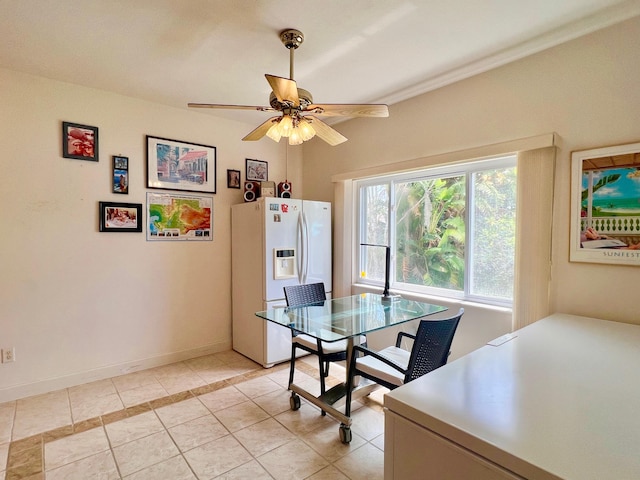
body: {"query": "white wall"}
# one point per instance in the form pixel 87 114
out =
pixel 77 304
pixel 585 90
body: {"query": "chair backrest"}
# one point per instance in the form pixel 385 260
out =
pixel 431 346
pixel 304 294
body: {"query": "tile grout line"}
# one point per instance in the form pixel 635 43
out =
pixel 25 468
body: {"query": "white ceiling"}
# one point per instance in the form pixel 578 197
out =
pixel 217 51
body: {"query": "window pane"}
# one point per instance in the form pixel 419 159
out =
pixel 374 219
pixel 493 229
pixel 430 232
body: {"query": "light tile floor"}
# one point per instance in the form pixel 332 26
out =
pixel 220 416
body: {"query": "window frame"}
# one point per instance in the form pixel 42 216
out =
pixel 466 169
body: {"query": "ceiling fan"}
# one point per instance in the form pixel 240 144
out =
pixel 299 115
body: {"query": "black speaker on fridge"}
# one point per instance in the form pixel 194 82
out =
pixel 251 191
pixel 284 189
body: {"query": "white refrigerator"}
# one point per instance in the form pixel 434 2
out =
pixel 275 242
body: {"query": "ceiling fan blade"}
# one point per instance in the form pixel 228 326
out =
pixel 325 132
pixel 261 131
pixel 346 110
pixel 285 90
pixel 230 107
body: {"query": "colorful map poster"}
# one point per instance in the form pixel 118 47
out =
pixel 179 217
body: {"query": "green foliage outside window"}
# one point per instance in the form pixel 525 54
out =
pixel 437 232
pixel 430 232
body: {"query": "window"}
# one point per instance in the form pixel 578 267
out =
pixel 451 230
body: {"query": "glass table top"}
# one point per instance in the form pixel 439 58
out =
pixel 340 318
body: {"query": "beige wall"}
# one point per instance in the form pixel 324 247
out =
pixel 78 304
pixel 585 90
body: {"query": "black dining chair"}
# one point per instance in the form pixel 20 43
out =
pixel 313 293
pixel 394 366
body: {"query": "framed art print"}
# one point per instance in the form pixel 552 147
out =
pixel 120 217
pixel 177 165
pixel 605 205
pixel 233 178
pixel 257 170
pixel 79 142
pixel 120 174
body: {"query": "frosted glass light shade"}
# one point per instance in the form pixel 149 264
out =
pixel 274 132
pixel 298 131
pixel 307 132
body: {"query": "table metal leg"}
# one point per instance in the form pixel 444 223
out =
pixel 335 397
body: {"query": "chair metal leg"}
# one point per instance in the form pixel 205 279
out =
pixel 292 363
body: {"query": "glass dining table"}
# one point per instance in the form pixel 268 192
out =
pixel 345 318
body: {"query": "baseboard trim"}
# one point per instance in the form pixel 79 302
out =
pixel 17 392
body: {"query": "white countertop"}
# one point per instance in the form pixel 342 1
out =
pixel 560 400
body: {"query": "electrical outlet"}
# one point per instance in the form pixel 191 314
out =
pixel 8 355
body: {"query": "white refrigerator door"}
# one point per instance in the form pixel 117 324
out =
pixel 280 232
pixel 317 219
pixel 277 339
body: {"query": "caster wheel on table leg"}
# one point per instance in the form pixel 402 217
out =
pixel 294 401
pixel 345 433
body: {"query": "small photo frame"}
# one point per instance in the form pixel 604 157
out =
pixel 120 217
pixel 120 174
pixel 257 170
pixel 233 178
pixel 79 142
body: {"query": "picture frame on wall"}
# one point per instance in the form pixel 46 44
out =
pixel 120 217
pixel 79 142
pixel 179 217
pixel 256 170
pixel 120 174
pixel 605 205
pixel 233 178
pixel 178 165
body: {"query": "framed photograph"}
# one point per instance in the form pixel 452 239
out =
pixel 179 217
pixel 79 141
pixel 120 217
pixel 233 178
pixel 177 165
pixel 257 170
pixel 605 205
pixel 120 174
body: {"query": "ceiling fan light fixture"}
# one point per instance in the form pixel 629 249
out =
pixel 286 125
pixel 307 132
pixel 274 132
pixel 295 138
pixel 293 103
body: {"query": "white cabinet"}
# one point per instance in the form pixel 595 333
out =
pixel 558 401
pixel 414 453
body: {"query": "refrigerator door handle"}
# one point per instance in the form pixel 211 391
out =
pixel 299 239
pixel 306 246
